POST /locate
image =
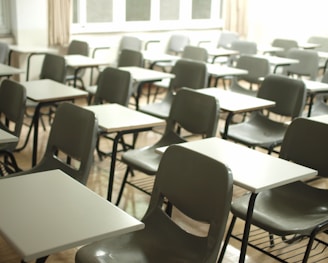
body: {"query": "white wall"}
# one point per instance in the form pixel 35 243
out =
pixel 292 19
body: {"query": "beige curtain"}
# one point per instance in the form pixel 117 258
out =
pixel 59 16
pixel 235 16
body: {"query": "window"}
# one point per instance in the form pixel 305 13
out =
pixel 144 15
pixel 4 17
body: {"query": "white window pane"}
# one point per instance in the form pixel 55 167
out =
pixel 138 10
pixel 201 9
pixel 75 11
pixel 99 11
pixel 169 9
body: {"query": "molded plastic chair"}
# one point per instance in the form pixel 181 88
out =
pixel 262 131
pixel 71 143
pixel 258 68
pixel 54 68
pixel 12 109
pixel 188 73
pixel 77 47
pixel 114 86
pixel 320 106
pixel 130 43
pixel 323 46
pixel 296 209
pixel 286 44
pixel 192 111
pixel 4 52
pixel 244 47
pixel 181 171
pixel 308 65
pixel 226 38
pixel 126 58
pixel 189 53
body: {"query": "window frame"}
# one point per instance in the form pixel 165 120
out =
pixel 119 24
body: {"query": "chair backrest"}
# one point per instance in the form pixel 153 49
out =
pixel 195 53
pixel 77 47
pixel 190 74
pixel 306 143
pixel 201 188
pixel 257 67
pixel 54 68
pixel 177 43
pixel 308 64
pixel 12 108
pixel 131 43
pixel 289 95
pixel 226 38
pixel 244 47
pixel 286 44
pixel 129 58
pixel 114 86
pixel 322 41
pixel 71 142
pixel 195 112
pixel 4 52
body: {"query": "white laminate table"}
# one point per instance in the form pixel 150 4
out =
pixel 8 71
pixel 153 57
pixel 221 52
pixel 142 76
pixel 6 137
pixel 30 51
pixel 234 103
pixel 121 120
pixel 220 71
pixel 276 61
pixel 313 88
pixel 44 213
pixel 252 170
pixel 78 62
pixel 46 92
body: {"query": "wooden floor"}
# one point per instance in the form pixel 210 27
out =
pixel 133 201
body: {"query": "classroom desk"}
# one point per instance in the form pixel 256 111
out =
pixel 142 76
pixel 153 57
pixel 234 103
pixel 29 51
pixel 46 92
pixel 313 88
pixel 220 52
pixel 320 118
pixel 114 118
pixel 8 71
pixel 6 137
pixel 277 62
pixel 252 170
pixel 79 62
pixel 50 212
pixel 219 71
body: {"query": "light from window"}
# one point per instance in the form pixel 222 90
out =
pixel 137 10
pixel 99 11
pixel 201 9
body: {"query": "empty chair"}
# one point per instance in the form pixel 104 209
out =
pixel 181 171
pixel 285 44
pixel 77 47
pixel 226 38
pixel 71 143
pixel 244 47
pixel 174 46
pixel 127 58
pixel 131 43
pixel 4 52
pixel 188 73
pixel 114 86
pixel 320 106
pixel 195 53
pixel 54 68
pixel 191 111
pixel 12 109
pixel 258 68
pixel 323 47
pixel 262 131
pixel 297 210
pixel 307 66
